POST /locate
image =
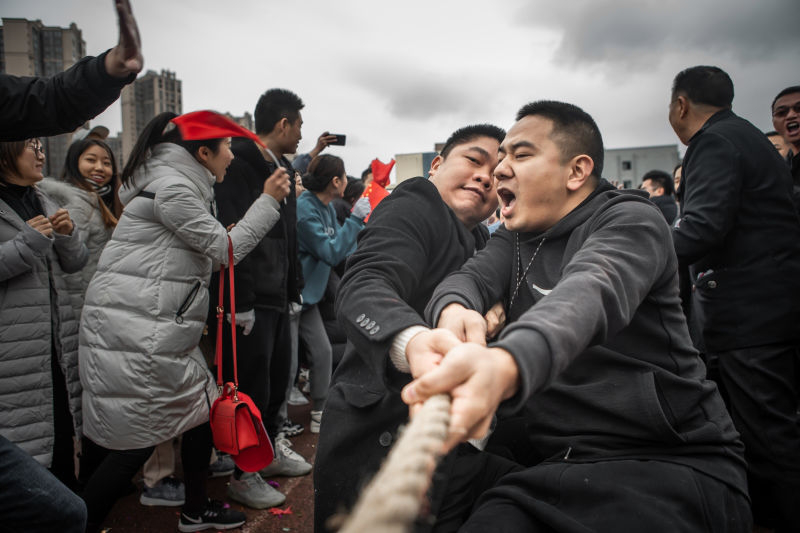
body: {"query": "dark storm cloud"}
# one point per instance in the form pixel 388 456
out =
pixel 413 93
pixel 636 33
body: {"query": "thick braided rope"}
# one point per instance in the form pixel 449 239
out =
pixel 392 500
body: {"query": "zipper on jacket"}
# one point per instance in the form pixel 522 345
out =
pixel 187 302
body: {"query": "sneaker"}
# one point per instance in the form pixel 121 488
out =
pixel 253 491
pixel 287 462
pixel 316 420
pixel 169 492
pixel 297 398
pixel 290 429
pixel 217 515
pixel 223 466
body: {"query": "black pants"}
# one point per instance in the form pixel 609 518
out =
pixel 264 359
pixel 628 495
pixel 761 390
pixel 110 472
pixel 63 464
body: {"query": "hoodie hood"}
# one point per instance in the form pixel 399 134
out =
pixel 602 197
pixel 168 159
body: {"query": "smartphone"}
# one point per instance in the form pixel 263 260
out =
pixel 340 139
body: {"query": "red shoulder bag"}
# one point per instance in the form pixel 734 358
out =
pixel 235 420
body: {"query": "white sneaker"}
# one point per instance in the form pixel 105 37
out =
pixel 287 462
pixel 253 491
pixel 316 420
pixel 297 398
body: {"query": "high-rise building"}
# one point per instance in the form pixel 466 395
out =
pixel 29 48
pixel 145 98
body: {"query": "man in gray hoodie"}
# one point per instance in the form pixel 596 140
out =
pixel 596 357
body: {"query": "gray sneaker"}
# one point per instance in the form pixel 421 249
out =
pixel 287 462
pixel 254 492
pixel 169 492
pixel 223 466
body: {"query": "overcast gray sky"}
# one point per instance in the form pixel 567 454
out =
pixel 397 77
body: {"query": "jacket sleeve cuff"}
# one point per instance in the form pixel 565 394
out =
pixel 397 352
pixel 532 354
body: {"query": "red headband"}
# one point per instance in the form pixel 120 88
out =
pixel 202 125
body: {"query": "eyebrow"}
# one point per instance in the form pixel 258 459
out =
pixel 517 145
pixel 478 149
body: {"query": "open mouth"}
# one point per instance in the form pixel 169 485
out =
pixel 792 127
pixel 507 201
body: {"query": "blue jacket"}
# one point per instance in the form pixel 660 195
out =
pixel 322 243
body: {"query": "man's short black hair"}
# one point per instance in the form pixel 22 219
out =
pixel 274 105
pixel 574 130
pixel 661 179
pixel 469 133
pixel 704 85
pixel 367 171
pixel 789 90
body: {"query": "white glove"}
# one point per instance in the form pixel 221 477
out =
pixel 294 309
pixel 362 208
pixel 246 320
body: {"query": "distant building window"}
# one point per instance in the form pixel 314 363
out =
pixel 626 165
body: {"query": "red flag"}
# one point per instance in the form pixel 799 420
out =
pixel 375 193
pixel 380 171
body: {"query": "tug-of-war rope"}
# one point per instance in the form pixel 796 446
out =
pixel 391 501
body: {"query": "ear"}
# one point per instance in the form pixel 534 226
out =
pixel 435 164
pixel 683 106
pixel 581 167
pixel 203 154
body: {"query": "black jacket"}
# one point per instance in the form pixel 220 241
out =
pixel 269 276
pixel 33 107
pixel 667 205
pixel 607 369
pixel 411 242
pixel 738 224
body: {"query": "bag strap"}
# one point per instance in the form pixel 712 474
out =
pixel 221 316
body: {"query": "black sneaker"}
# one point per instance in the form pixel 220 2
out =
pixel 217 515
pixel 290 429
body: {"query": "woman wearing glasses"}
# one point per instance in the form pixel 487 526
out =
pixel 38 327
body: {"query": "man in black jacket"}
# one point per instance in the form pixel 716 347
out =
pixel 622 432
pixel 661 187
pixel 740 233
pixel 48 106
pixel 417 235
pixel 267 282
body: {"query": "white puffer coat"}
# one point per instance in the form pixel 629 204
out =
pixel 30 311
pixel 144 379
pixel 84 210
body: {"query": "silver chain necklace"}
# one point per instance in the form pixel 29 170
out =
pixel 518 262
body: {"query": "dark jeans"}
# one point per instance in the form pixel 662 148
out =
pixel 761 390
pixel 111 472
pixel 63 464
pixel 264 358
pixel 32 499
pixel 626 495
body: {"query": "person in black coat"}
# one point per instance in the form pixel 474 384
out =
pixel 417 235
pixel 740 233
pixel 661 187
pixel 35 107
pixel 268 281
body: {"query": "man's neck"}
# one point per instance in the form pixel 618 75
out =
pixel 272 145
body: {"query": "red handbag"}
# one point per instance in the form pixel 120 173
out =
pixel 235 420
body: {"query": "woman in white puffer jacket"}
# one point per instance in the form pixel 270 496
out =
pixel 144 379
